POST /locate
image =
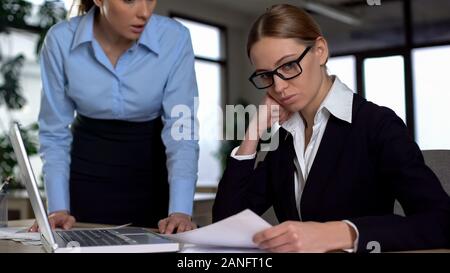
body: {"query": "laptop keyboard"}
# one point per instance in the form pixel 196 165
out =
pixel 100 237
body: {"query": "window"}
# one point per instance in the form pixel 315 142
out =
pixel 384 80
pixel 12 44
pixel 344 68
pixel 208 43
pixel 206 39
pixel 432 97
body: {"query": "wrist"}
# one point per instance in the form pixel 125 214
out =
pixel 180 214
pixel 247 147
pixel 342 234
pixel 60 212
pixel 254 131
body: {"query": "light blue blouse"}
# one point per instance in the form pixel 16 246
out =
pixel 149 80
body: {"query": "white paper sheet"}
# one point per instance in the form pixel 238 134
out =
pixel 19 234
pixel 235 231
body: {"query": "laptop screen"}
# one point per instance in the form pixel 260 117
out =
pixel 29 180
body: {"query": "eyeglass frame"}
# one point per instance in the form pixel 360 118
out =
pixel 275 72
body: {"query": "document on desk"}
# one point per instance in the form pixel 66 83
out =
pixel 234 231
pixel 19 234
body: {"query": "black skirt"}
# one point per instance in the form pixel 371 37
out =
pixel 118 172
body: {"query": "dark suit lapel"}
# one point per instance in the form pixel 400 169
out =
pixel 283 175
pixel 324 165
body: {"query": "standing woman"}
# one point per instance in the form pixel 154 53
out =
pixel 341 161
pixel 111 79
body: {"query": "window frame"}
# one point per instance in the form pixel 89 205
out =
pixel 222 62
pixel 406 52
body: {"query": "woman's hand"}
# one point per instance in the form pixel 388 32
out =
pixel 57 219
pixel 293 236
pixel 261 122
pixel 275 112
pixel 176 222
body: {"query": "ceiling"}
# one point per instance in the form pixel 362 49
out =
pixel 254 7
pixel 380 26
pixel 435 9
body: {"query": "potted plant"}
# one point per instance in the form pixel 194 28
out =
pixel 14 14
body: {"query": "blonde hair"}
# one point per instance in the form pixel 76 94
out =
pixel 284 21
pixel 83 6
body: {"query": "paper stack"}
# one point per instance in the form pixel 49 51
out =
pixel 20 234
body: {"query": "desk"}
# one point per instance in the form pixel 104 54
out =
pixel 8 246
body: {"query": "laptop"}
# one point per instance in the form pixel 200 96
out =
pixel 104 240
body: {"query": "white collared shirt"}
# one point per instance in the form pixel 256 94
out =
pixel 339 103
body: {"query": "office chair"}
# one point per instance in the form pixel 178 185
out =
pixel 439 162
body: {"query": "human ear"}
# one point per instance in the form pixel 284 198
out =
pixel 321 50
pixel 98 3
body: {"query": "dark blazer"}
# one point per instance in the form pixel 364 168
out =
pixel 358 172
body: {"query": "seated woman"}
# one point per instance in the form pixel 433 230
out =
pixel 341 161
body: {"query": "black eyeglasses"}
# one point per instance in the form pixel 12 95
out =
pixel 287 71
